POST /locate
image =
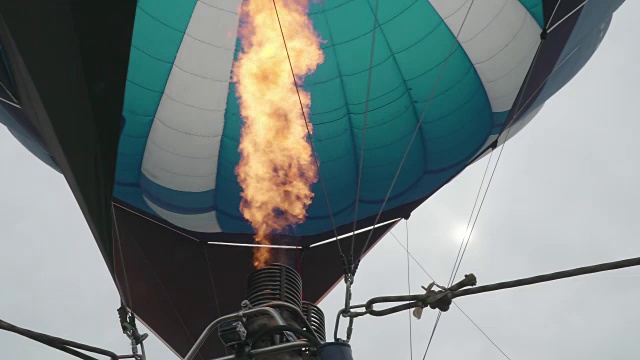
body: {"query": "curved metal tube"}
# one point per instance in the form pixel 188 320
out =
pixel 297 311
pixel 273 349
pixel 205 334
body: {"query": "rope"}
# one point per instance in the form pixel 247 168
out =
pixel 591 269
pixel 56 342
pixel 315 155
pixel 364 130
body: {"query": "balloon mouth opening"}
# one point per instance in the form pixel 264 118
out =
pixel 267 255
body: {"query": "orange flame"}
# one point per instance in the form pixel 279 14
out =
pixel 277 167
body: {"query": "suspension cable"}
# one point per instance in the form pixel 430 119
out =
pixel 466 230
pixel 567 16
pixel 213 288
pixel 412 257
pixel 456 267
pixel 518 111
pixel 404 157
pixel 124 269
pixel 553 13
pixel 10 94
pixel 482 331
pixel 315 154
pixel 364 132
pixel 467 237
pixel 507 128
pixel 415 132
pixel 406 223
pixel 128 324
pixel 11 103
pixel 433 332
pixel 506 131
pixel 473 226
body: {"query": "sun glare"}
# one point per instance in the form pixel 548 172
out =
pixel 459 232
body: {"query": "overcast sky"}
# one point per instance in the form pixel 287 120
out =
pixel 566 193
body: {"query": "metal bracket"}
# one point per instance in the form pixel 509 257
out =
pixel 129 328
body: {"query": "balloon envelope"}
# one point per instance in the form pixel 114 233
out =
pixel 163 139
pixel 451 84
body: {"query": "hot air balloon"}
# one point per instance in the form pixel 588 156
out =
pixel 136 104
